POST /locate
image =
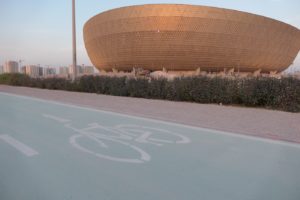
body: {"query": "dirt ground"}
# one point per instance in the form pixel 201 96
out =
pixel 259 122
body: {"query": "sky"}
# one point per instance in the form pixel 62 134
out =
pixel 40 32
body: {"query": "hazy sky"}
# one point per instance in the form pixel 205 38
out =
pixel 39 31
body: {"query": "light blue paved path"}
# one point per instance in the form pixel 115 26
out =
pixel 50 151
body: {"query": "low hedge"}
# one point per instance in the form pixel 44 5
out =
pixel 281 94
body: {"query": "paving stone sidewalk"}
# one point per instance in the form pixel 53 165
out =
pixel 277 125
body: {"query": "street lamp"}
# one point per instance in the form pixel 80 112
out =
pixel 74 41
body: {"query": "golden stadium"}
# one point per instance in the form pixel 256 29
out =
pixel 187 37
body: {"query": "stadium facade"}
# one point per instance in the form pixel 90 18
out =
pixel 186 37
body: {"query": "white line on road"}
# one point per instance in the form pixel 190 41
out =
pixel 59 119
pixel 26 150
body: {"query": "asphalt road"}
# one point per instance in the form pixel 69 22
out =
pixel 50 150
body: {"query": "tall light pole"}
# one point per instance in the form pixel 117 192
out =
pixel 74 41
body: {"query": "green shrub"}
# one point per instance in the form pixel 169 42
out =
pixel 271 93
pixel 288 98
pixel 282 94
pixel 137 87
pixel 15 79
pixel 86 84
pixel 117 86
pixel 157 88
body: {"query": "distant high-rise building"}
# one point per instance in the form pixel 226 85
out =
pixel 41 71
pixel 11 67
pixel 79 70
pixel 63 72
pixel 49 72
pixel 32 70
pixel 23 70
pixel 88 70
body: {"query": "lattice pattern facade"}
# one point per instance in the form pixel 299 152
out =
pixel 186 37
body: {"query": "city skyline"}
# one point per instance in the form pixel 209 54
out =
pixel 40 32
pixel 38 71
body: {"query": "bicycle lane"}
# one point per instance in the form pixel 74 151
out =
pixel 175 171
pixel 58 165
pixel 33 177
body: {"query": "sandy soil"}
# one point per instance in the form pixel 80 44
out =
pixel 264 123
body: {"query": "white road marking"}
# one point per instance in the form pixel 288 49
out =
pixel 26 150
pixel 145 134
pixel 145 157
pixel 59 119
pixel 123 135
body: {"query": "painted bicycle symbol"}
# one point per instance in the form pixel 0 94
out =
pixel 127 136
